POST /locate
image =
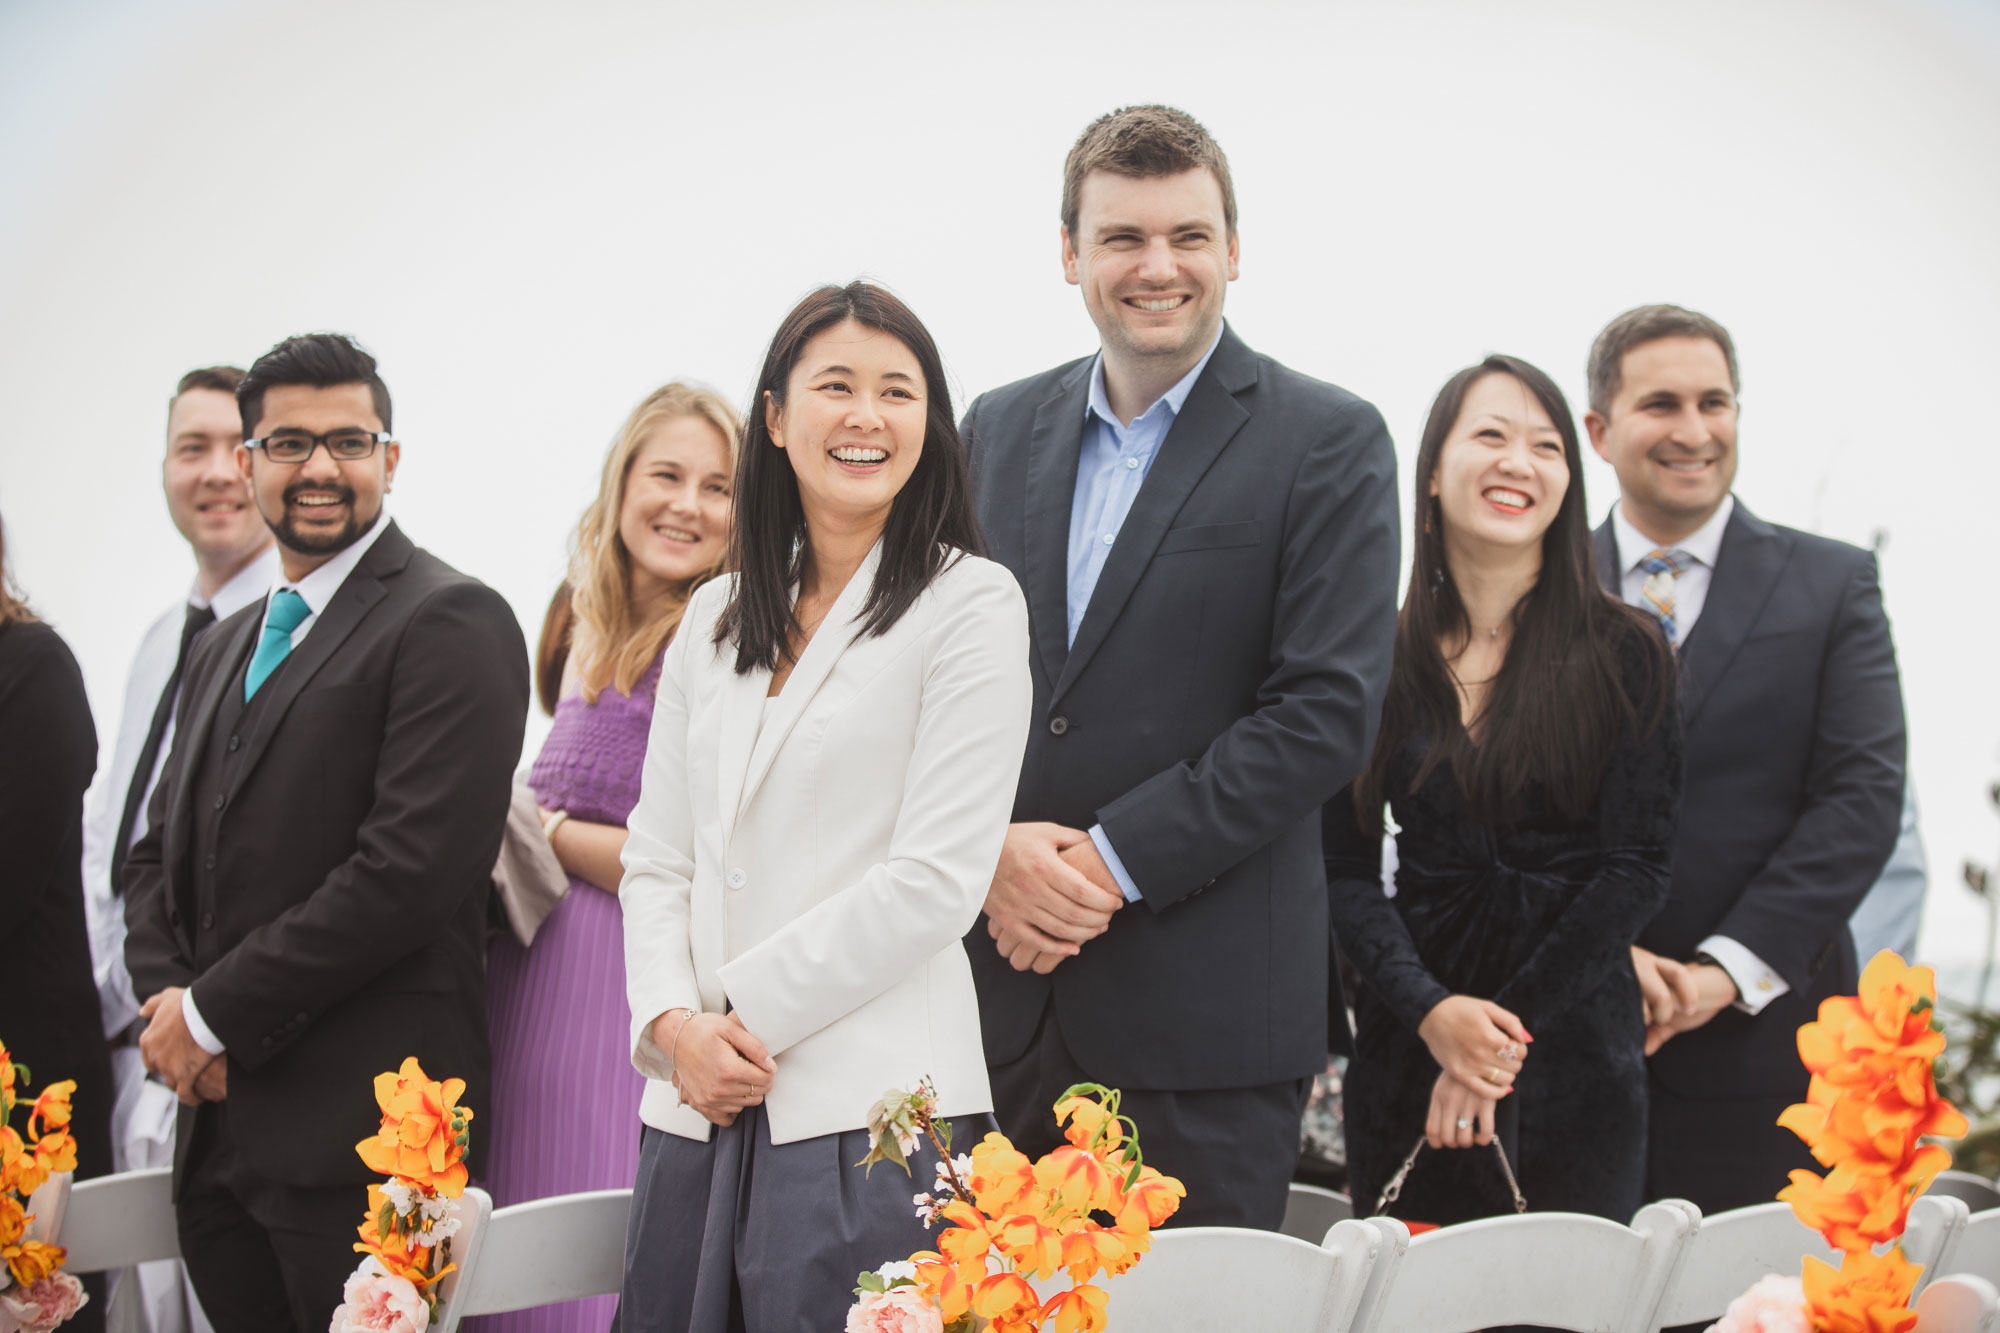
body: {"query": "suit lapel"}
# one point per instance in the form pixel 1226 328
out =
pixel 1053 451
pixel 1609 572
pixel 357 595
pixel 1752 556
pixel 825 648
pixel 1208 421
pixel 231 655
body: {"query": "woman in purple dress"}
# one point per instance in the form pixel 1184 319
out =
pixel 565 1113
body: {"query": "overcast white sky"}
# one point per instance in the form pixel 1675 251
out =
pixel 533 214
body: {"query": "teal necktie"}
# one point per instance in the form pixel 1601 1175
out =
pixel 287 610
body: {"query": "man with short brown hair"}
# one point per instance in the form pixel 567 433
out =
pixel 1793 719
pixel 234 564
pixel 1208 543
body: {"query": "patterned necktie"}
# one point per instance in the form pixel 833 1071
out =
pixel 287 610
pixel 198 619
pixel 1663 568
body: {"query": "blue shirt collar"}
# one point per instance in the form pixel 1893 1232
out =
pixel 1100 401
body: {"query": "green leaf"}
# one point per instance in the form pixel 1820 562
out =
pixel 384 1219
pixel 869 1282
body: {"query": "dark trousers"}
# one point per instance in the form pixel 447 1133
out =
pixel 1233 1148
pixel 263 1257
pixel 1721 1154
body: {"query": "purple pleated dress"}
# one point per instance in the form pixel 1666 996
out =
pixel 565 1113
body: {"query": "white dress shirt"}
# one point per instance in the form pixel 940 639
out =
pixel 1757 984
pixel 317 588
pixel 152 667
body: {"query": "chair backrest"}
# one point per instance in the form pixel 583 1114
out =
pixel 120 1220
pixel 1199 1279
pixel 545 1251
pixel 1978 1192
pixel 1729 1254
pixel 1311 1211
pixel 1558 1270
pixel 1931 1236
pixel 474 1211
pixel 1960 1303
pixel 46 1206
pixel 1978 1248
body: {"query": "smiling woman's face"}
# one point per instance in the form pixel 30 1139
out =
pixel 1501 475
pixel 852 423
pixel 675 517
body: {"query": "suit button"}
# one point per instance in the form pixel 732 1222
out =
pixel 235 741
pixel 208 862
pixel 220 801
pixel 173 916
pixel 208 921
pixel 299 1018
pixel 736 878
pixel 1057 726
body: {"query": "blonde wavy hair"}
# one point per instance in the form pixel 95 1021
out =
pixel 611 643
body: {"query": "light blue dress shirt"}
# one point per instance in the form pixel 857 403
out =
pixel 1109 472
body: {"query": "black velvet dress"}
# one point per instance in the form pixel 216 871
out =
pixel 1538 917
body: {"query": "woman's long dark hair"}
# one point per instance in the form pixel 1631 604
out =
pixel 1555 710
pixel 930 521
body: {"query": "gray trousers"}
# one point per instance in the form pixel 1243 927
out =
pixel 738 1235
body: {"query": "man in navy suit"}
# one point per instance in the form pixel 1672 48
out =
pixel 1793 715
pixel 1208 543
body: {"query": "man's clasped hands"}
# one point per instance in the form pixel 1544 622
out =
pixel 173 1055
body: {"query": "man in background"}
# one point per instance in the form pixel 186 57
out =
pixel 235 561
pixel 308 906
pixel 1208 544
pixel 1793 716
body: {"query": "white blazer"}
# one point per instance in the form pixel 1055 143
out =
pixel 814 863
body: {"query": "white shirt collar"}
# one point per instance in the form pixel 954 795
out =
pixel 245 586
pixel 1100 400
pixel 319 586
pixel 1704 543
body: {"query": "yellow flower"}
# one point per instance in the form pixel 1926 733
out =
pixel 1087 1118
pixel 1003 1179
pixel 1869 1293
pixel 1153 1197
pixel 1088 1247
pixel 1005 1297
pixel 1030 1244
pixel 31 1260
pixel 51 1108
pixel 424 1131
pixel 398 1253
pixel 1078 1310
pixel 1078 1180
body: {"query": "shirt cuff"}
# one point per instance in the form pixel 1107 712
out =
pixel 197 1029
pixel 1756 984
pixel 1113 864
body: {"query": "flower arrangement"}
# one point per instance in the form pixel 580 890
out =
pixel 35 1294
pixel 1011 1219
pixel 1871 1104
pixel 406 1237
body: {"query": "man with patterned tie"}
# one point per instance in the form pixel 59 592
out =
pixel 307 907
pixel 235 563
pixel 1793 718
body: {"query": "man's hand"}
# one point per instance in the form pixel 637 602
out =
pixel 168 1048
pixel 1042 906
pixel 1713 992
pixel 212 1084
pixel 1664 985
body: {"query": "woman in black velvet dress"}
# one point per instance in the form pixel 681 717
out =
pixel 1530 752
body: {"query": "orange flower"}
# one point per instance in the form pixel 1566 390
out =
pixel 6 1078
pixel 1153 1198
pixel 1003 1179
pixel 1005 1297
pixel 940 1280
pixel 12 1151
pixel 51 1108
pixel 1078 1310
pixel 399 1253
pixel 55 1152
pixel 1088 1247
pixel 1030 1245
pixel 423 1135
pixel 31 1260
pixel 1087 1118
pixel 1869 1293
pixel 1078 1180
pixel 13 1220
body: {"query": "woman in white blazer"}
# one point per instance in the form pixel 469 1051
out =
pixel 835 747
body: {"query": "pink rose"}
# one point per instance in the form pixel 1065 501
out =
pixel 1775 1305
pixel 899 1310
pixel 51 1302
pixel 379 1302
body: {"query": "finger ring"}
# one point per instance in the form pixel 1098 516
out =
pixel 1493 1075
pixel 1464 1123
pixel 1507 1050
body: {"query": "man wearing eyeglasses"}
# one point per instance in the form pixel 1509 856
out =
pixel 307 907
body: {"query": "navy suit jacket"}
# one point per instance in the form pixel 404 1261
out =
pixel 1226 680
pixel 1793 718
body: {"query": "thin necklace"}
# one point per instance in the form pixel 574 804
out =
pixel 1492 631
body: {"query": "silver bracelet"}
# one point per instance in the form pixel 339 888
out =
pixel 680 1098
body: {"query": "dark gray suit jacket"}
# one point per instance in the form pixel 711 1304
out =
pixel 1793 713
pixel 354 856
pixel 1226 680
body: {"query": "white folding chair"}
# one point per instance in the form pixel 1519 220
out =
pixel 1931 1236
pixel 1978 1248
pixel 1558 1270
pixel 1977 1191
pixel 1199 1279
pixel 120 1220
pixel 46 1207
pixel 1311 1211
pixel 1960 1303
pixel 540 1253
pixel 474 1210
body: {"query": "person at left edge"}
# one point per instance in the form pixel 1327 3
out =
pixel 308 906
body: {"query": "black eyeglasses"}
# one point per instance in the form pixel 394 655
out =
pixel 296 446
